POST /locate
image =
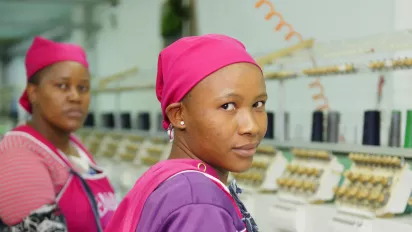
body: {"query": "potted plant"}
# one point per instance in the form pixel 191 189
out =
pixel 174 15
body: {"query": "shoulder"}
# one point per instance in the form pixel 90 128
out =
pixel 191 188
pixel 187 191
pixel 21 151
pixel 16 143
pixel 16 140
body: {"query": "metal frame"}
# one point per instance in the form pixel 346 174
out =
pixel 71 2
pixel 343 148
pixel 56 29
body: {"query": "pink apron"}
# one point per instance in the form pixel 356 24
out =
pixel 87 202
pixel 130 209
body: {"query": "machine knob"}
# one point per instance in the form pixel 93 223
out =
pixel 381 198
pixel 298 183
pixel 291 167
pixel 386 160
pixel 365 177
pixel 396 161
pixel 301 170
pixel 375 159
pixel 362 194
pixel 352 192
pixel 342 190
pixel 408 61
pixel 355 176
pixel 288 182
pixel 374 195
pixel 281 181
pixel 307 185
pixel 384 181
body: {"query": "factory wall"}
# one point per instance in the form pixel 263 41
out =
pixel 130 36
pixel 324 21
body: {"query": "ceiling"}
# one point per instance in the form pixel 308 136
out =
pixel 22 19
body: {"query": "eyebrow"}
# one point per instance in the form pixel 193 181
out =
pixel 65 78
pixel 228 95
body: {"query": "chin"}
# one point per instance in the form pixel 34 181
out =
pixel 241 165
pixel 71 126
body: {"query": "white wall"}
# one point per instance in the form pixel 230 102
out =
pixel 135 41
pixel 323 20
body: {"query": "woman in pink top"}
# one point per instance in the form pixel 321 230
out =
pixel 48 180
pixel 212 95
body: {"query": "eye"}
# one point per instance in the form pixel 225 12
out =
pixel 228 106
pixel 259 104
pixel 62 86
pixel 83 88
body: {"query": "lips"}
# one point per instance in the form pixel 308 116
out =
pixel 246 150
pixel 74 113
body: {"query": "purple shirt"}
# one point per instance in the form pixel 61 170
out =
pixel 189 202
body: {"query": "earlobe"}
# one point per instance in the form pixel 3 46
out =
pixel 174 113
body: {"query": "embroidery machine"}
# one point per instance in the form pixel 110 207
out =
pixel 310 177
pixel 258 183
pixel 307 182
pixel 375 187
pixel 268 164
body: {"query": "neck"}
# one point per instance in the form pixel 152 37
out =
pixel 59 138
pixel 180 150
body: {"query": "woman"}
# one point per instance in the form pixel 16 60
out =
pixel 48 180
pixel 212 95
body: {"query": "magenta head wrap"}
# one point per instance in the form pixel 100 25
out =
pixel 43 53
pixel 189 60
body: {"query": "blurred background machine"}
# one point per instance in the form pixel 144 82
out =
pixel 338 150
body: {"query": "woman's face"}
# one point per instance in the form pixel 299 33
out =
pixel 62 96
pixel 225 117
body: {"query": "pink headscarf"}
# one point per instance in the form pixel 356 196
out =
pixel 189 60
pixel 43 53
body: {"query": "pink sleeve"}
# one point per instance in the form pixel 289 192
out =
pixel 25 184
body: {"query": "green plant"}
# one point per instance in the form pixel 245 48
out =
pixel 174 13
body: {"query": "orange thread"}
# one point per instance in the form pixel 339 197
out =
pixel 292 33
pixel 282 23
pixel 320 96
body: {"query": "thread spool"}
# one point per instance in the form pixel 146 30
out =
pixel 108 120
pixel 395 129
pixel 143 121
pixel 333 127
pixel 317 126
pixel 371 128
pixel 270 132
pixel 125 120
pixel 408 130
pixel 90 120
pixel 286 126
pixel 160 122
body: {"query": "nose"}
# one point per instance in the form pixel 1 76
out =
pixel 74 95
pixel 247 123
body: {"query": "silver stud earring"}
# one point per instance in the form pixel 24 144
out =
pixel 182 123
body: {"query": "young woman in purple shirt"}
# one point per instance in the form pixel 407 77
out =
pixel 212 95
